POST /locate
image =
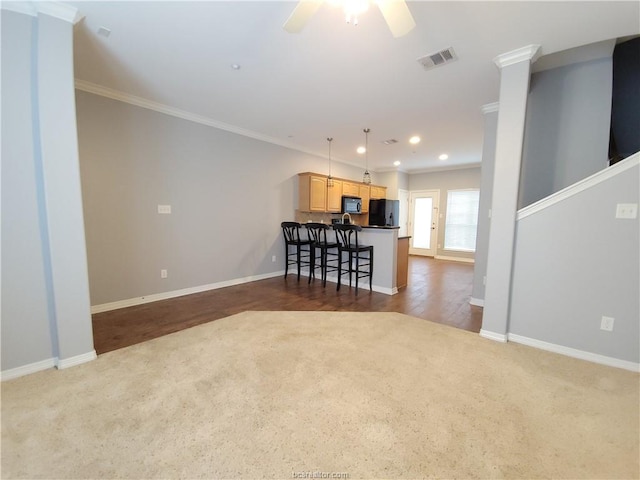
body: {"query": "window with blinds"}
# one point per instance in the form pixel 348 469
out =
pixel 462 220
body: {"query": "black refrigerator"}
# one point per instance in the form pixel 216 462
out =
pixel 384 213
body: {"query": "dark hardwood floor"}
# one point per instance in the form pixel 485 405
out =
pixel 438 290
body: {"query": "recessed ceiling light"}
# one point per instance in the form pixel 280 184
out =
pixel 361 150
pixel 444 156
pixel 235 66
pixel 414 140
pixel 396 163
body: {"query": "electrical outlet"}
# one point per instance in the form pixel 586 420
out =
pixel 163 273
pixel 484 280
pixel 273 258
pixel 627 210
pixel 606 324
pixel 166 209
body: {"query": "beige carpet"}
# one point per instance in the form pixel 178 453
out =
pixel 298 394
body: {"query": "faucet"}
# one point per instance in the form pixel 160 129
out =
pixel 349 216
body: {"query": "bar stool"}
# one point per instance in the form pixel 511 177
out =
pixel 328 250
pixel 348 242
pixel 300 256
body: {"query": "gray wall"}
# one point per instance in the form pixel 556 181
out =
pixel 486 194
pixel 228 195
pixel 574 263
pixel 394 181
pixel 567 127
pixel 446 180
pixel 45 301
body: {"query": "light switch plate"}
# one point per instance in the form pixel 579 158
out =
pixel 627 210
pixel 164 209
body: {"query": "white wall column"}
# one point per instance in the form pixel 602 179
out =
pixel 58 152
pixel 490 112
pixel 515 72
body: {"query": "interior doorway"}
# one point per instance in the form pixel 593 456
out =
pixel 423 222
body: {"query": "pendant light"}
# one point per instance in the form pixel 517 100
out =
pixel 329 178
pixel 367 176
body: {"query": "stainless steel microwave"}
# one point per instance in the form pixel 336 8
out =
pixel 351 204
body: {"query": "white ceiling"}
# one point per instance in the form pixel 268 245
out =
pixel 332 79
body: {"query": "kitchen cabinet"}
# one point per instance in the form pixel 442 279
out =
pixel 312 193
pixel 363 193
pixel 377 192
pixel 334 197
pixel 350 189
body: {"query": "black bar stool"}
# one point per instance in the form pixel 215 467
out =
pixel 299 256
pixel 361 255
pixel 328 250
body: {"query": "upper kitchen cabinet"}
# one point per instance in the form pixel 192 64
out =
pixel 334 197
pixel 377 192
pixel 312 193
pixel 363 193
pixel 350 189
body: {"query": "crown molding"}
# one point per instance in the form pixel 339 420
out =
pixel 490 108
pixel 113 94
pixel 445 168
pixel 58 10
pixel 528 53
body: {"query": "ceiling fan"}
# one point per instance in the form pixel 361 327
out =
pixel 395 12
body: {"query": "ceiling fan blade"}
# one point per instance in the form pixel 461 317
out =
pixel 397 15
pixel 301 15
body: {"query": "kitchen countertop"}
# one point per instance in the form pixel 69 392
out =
pixel 380 228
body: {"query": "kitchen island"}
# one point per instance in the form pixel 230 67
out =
pixel 385 260
pixel 385 257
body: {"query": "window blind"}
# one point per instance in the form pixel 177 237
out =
pixel 462 220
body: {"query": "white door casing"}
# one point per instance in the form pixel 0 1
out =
pixel 423 222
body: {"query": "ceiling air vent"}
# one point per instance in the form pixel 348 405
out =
pixel 390 141
pixel 437 59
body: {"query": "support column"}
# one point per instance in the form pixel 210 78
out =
pixel 490 112
pixel 57 140
pixel 515 72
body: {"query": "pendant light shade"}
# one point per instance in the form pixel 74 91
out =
pixel 329 178
pixel 366 178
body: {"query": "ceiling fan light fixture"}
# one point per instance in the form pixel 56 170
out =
pixel 395 12
pixel 353 8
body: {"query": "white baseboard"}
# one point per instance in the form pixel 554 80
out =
pixel 130 302
pixel 497 337
pixel 362 284
pixel 53 362
pixel 454 259
pixel 28 369
pixel 575 353
pixel 76 360
pixel 478 302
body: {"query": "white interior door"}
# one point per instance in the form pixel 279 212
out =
pixel 423 222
